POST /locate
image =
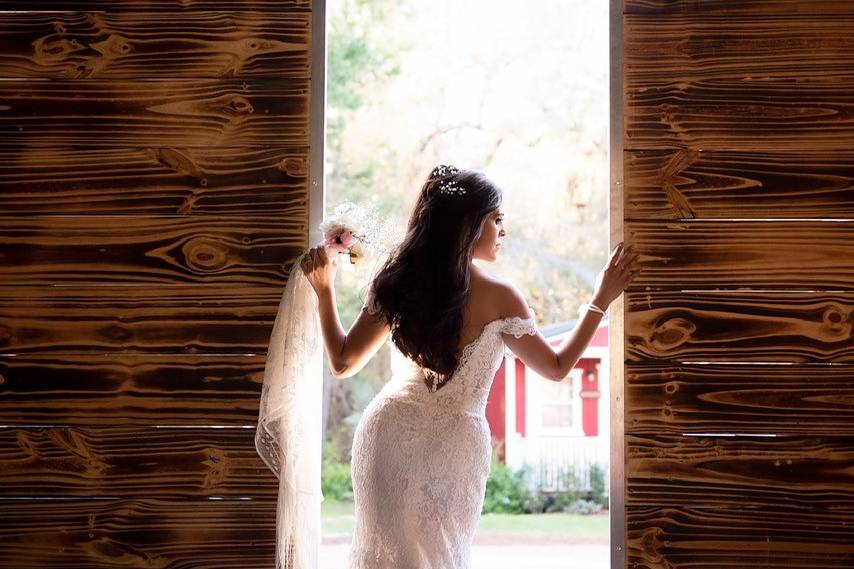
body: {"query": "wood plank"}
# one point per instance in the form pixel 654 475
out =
pixel 153 181
pixel 684 184
pixel 752 48
pixel 134 390
pixel 160 5
pixel 689 85
pixel 127 250
pixel 76 45
pixel 204 534
pixel 137 320
pixel 740 327
pixel 737 115
pixel 154 113
pixel 700 9
pixel 721 538
pixel 816 400
pixel 133 462
pixel 814 473
pixel 738 254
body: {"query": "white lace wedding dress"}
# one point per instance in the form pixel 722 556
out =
pixel 421 459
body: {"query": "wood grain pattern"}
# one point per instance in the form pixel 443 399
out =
pixel 676 471
pixel 153 181
pixel 715 8
pixel 160 5
pixel 732 254
pixel 154 172
pixel 138 45
pixel 736 145
pixel 97 390
pixel 808 48
pixel 154 113
pixel 107 533
pixel 815 400
pixel 130 462
pixel 731 114
pixel 737 326
pixel 689 84
pixel 158 250
pixel 685 184
pixel 724 538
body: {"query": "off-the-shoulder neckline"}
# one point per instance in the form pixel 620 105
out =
pixel 468 348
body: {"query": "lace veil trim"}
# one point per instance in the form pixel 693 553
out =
pixel 289 431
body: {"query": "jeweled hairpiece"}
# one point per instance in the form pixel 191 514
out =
pixel 448 187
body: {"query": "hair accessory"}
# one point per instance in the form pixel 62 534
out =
pixel 448 187
pixel 444 170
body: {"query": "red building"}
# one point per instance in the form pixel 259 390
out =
pixel 552 425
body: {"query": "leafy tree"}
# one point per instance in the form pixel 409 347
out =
pixel 359 61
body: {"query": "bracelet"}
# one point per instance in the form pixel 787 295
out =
pixel 591 306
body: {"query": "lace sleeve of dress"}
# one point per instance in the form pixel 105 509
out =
pixel 370 304
pixel 518 326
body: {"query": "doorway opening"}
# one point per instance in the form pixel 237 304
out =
pixel 522 95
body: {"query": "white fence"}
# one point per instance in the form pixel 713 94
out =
pixel 553 459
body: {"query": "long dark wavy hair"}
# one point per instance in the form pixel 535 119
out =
pixel 422 288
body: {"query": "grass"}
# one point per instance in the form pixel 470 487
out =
pixel 551 525
pixel 338 517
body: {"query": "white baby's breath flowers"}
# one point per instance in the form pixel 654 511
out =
pixel 358 231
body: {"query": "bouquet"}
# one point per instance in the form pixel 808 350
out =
pixel 357 231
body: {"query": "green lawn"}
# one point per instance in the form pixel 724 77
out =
pixel 337 517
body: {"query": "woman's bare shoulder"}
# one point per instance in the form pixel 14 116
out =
pixel 505 297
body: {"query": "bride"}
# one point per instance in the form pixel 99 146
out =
pixel 422 449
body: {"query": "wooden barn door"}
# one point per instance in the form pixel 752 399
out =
pixel 734 178
pixel 154 189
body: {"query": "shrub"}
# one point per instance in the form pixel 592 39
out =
pixel 335 481
pixel 572 499
pixel 598 486
pixel 583 507
pixel 506 490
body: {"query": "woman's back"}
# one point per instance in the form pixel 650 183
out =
pixel 421 457
pixel 483 306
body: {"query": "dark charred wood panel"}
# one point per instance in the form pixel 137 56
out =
pixel 136 250
pixel 77 45
pixel 729 538
pixel 815 473
pixel 757 49
pixel 127 462
pixel 747 399
pixel 739 392
pixel 730 114
pixel 740 327
pixel 752 83
pixel 162 137
pixel 154 113
pixel 160 5
pixel 743 254
pixel 153 181
pixel 686 184
pixel 715 8
pixel 111 533
pixel 96 390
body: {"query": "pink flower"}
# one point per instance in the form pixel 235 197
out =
pixel 339 240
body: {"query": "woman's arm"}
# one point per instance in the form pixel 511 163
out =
pixel 535 351
pixel 349 352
